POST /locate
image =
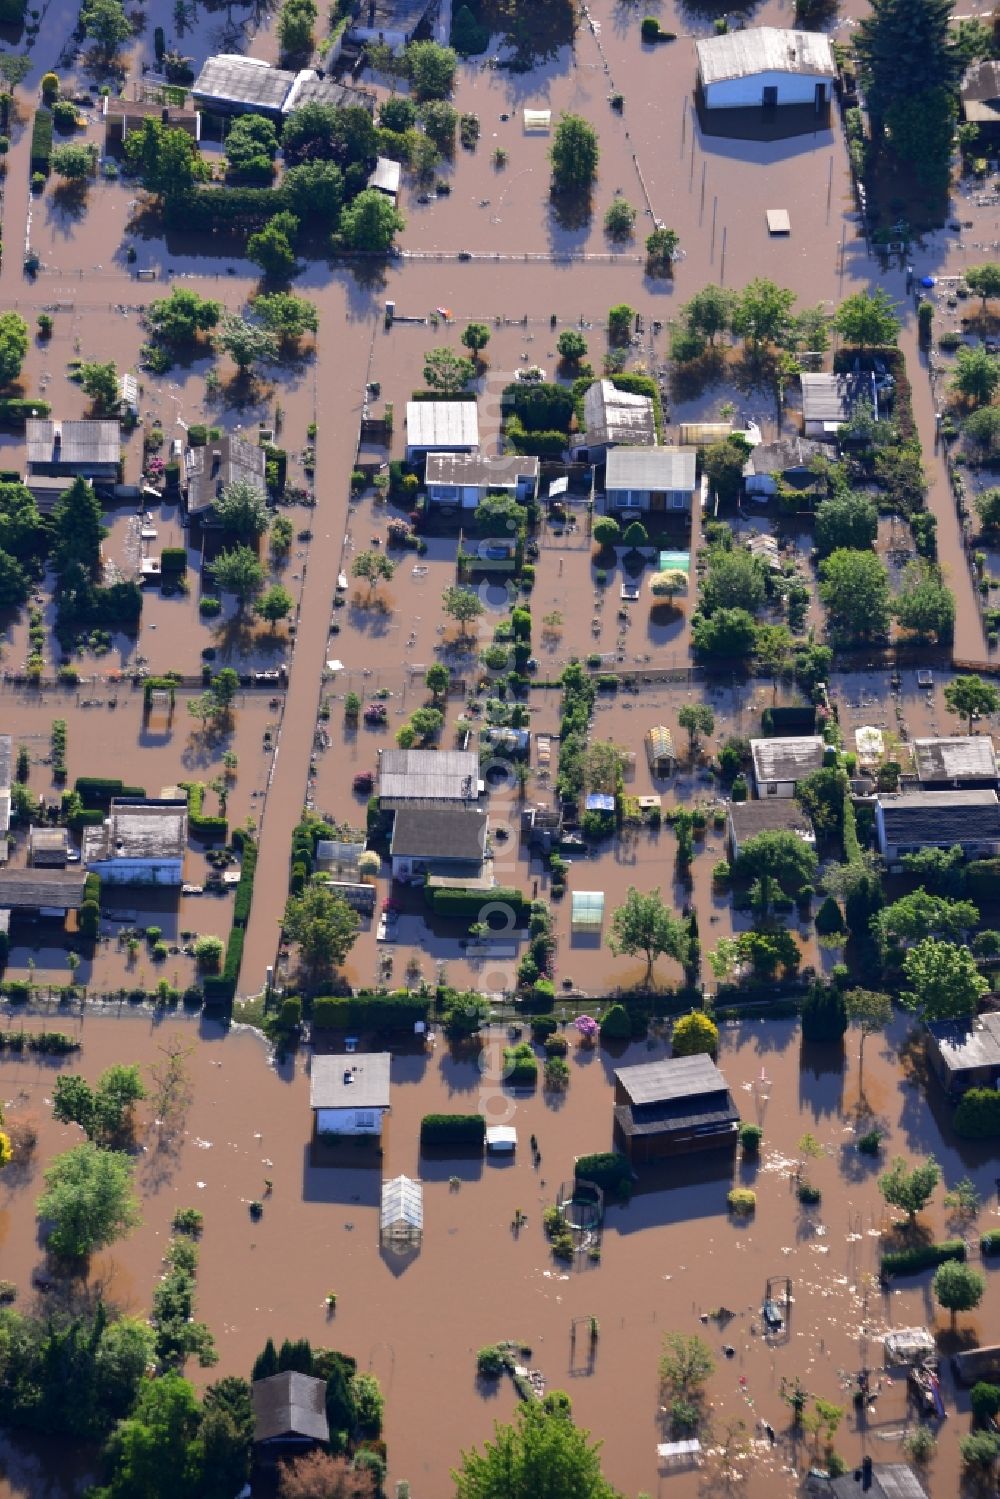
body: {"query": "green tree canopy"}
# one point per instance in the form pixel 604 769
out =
pixel 778 855
pixel 295 29
pixel 104 1112
pixel 958 1287
pixel 373 567
pixel 977 374
pixel 906 50
pixel 88 1199
pixel 322 925
pixel 925 605
pixel 241 510
pixel 697 719
pixel 273 247
pixel 910 1189
pixel 855 591
pixel 643 924
pixel 275 605
pixel 475 337
pixel 100 383
pixel 945 982
pixel 571 346
pixel 430 69
pixel 574 155
pixel 287 315
pixel 447 371
pixel 913 917
pixel 845 521
pixel 709 312
pixel 370 222
pixel 105 23
pixel 723 464
pixel 13 346
pixel 984 279
pixel 762 314
pixel 462 604
pixel 728 632
pixel 246 343
pixel 238 571
pixel 970 697
pixel 868 320
pixel 541 1453
pixel 734 580
pixel 314 191
pixel 179 318
pixel 166 160
pixel 74 161
pixel 251 146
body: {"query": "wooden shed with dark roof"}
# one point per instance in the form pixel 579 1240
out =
pixel 289 1413
pixel 673 1106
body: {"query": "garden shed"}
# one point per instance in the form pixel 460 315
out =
pixel 539 120
pixel 588 910
pixel 659 750
pixel 401 1222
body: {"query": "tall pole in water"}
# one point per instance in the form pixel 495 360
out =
pixel 829 190
pixel 701 210
pixel 715 209
pixel 722 267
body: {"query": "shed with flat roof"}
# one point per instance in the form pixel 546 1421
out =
pixel 441 427
pixel 779 764
pixel 350 1094
pixel 427 776
pixel 960 760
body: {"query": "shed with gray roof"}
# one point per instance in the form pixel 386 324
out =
pixel 673 1105
pixel 77 449
pixel 950 764
pixel 427 776
pixel 779 764
pixel 765 66
pixel 653 479
pixel 938 819
pixel 289 1412
pixel 441 427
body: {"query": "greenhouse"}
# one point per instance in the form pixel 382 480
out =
pixel 588 910
pixel 402 1217
pixel 660 750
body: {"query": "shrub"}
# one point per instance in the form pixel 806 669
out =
pixel 520 1066
pixel 741 1202
pixel 209 606
pixel 650 29
pixel 616 1025
pixel 173 560
pixel 985 1401
pixel 808 1194
pixel 989 1243
pixel 921 1257
pixel 453 1129
pixel 188 1221
pixel 977 1116
pixel 491 1361
pixel 870 1142
pixel 694 1033
pixel 607 1170
pixel 750 1137
pixel 824 1014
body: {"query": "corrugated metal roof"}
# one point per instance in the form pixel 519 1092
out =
pixel 442 424
pixel 764 49
pixel 79 441
pixel 650 468
pixel 26 889
pixel 428 775
pixel 617 416
pixel 937 817
pixel 966 1045
pixel 671 1078
pixel 228 78
pixel 786 759
pixel 825 398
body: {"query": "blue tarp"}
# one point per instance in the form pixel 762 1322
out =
pixel 600 801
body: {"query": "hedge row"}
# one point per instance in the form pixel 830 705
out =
pixel 990 1242
pixel 452 1129
pixel 15 410
pixel 369 1012
pixel 41 141
pixel 981 877
pixel 221 988
pixel 468 904
pixel 244 890
pixel 200 826
pixel 97 791
pixel 977 1116
pixel 607 1170
pixel 921 1257
pixel 48 1043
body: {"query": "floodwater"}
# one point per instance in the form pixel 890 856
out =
pixel 667 1258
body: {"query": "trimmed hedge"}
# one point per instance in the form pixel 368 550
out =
pixel 922 1257
pixel 452 1129
pixel 370 1012
pixel 989 1243
pixel 14 412
pixel 47 1043
pixel 244 890
pixel 795 720
pixel 607 1170
pixel 977 1116
pixel 221 988
pixel 981 877
pixel 467 905
pixel 41 141
pixel 200 826
pixel 97 791
pixel 173 560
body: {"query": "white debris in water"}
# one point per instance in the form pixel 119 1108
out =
pixel 200 1186
pixel 203 1144
pixel 820 1248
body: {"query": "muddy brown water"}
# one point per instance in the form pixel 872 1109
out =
pixel 670 1256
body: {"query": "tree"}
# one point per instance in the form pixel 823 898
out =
pixel 74 162
pixel 777 857
pixel 868 320
pixel 762 314
pixel 709 312
pixel 105 22
pixel 824 1013
pixel 734 580
pixel 179 318
pixel 619 221
pixel 314 191
pixel 370 222
pixel 979 1450
pixel 475 338
pixel 285 314
pixel 668 583
pixel 105 1112
pixel 946 984
pixel 437 679
pixel 246 343
pixel 724 463
pixel 14 68
pixel 372 567
pixel 295 28
pixel 977 375
pixel 845 521
pixel 943 869
pixel 275 605
pixel 698 719
pixel 728 632
pixel 317 1475
pixel 166 160
pixel 430 69
pixel 13 346
pixel 77 529
pixel 871 1012
pixel 686 1365
pixel 251 146
pixel 984 279
pixel 238 571
pixel 323 925
pixel 620 320
pixel 855 591
pixel 905 52
pixel 910 1189
pixel 426 723
pixel 153 1454
pixel 310 133
pixel 913 917
pixel 273 248
pixel 14 583
pixel 100 383
pixel 643 924
pixel 694 1033
pixel 462 604
pixel 89 1200
pixel 541 1452
pixel 440 121
pixel 447 371
pixel 661 250
pixel 571 346
pixel 957 1287
pixel 574 155
pixel 971 697
pixel 925 605
pixel 241 510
